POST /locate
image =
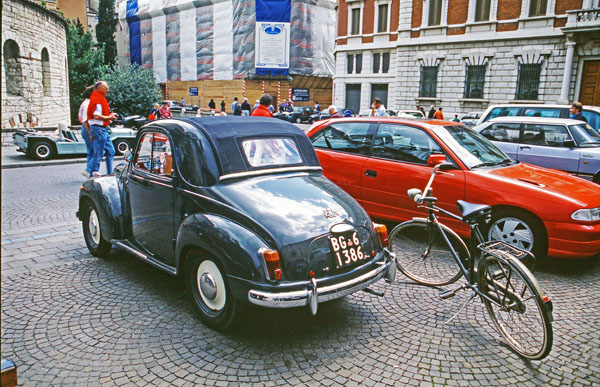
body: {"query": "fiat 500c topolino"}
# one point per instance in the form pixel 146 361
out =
pixel 240 209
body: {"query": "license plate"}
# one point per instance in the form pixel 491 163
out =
pixel 346 249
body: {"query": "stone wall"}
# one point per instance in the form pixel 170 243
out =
pixel 34 28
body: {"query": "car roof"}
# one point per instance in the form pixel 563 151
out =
pixel 536 120
pixel 543 106
pixel 396 120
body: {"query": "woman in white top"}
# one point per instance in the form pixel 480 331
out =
pixel 85 129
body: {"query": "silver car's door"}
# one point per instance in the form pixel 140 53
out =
pixel 549 146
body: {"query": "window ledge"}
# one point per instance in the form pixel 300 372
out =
pixel 474 100
pixel 433 99
pixel 535 101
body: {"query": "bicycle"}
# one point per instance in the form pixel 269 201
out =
pixel 430 253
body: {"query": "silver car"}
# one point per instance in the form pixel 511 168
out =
pixel 564 144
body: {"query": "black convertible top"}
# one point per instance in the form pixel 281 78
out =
pixel 227 134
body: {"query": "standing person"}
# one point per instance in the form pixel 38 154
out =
pixel 255 105
pixel 290 107
pixel 234 106
pixel 262 110
pixel 223 105
pixel 317 107
pixel 281 106
pixel 455 119
pixel 211 104
pixel 85 129
pixel 182 102
pixel 99 117
pixel 246 107
pixel 575 111
pixel 154 113
pixel 271 108
pixel 164 111
pixel 334 113
pixel 377 108
pixel 438 115
pixel 431 112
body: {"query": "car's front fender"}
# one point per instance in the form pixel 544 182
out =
pixel 104 192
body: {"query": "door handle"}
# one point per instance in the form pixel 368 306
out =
pixel 371 173
pixel 524 147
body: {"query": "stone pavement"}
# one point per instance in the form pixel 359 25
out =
pixel 72 319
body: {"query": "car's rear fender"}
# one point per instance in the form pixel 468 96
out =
pixel 104 193
pixel 233 245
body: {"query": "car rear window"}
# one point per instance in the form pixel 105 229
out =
pixel 502 112
pixel 542 112
pixel 265 152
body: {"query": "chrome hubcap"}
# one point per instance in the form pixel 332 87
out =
pixel 211 285
pixel 512 231
pixel 208 287
pixel 94 227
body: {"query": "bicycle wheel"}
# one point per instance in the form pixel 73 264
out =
pixel 518 309
pixel 423 255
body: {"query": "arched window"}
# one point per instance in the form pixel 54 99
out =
pixel 45 71
pixel 12 68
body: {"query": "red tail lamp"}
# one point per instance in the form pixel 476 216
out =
pixel 273 264
pixel 382 232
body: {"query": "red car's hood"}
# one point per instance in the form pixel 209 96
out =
pixel 556 183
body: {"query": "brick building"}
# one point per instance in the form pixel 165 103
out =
pixel 464 55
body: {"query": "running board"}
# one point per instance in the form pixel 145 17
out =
pixel 152 261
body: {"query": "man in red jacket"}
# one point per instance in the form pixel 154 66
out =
pixel 263 108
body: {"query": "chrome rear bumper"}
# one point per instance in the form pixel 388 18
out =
pixel 312 294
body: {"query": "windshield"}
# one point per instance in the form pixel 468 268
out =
pixel 585 135
pixel 473 149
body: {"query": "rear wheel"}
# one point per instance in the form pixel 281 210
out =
pixel 121 146
pixel 298 120
pixel 42 150
pixel 517 310
pixel 423 255
pixel 520 229
pixel 207 285
pixel 92 231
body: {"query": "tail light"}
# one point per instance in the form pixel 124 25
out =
pixel 273 264
pixel 382 232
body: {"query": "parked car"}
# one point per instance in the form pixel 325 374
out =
pixel 376 160
pixel 568 145
pixel 176 107
pixel 321 115
pixel 410 113
pixel 239 207
pixel 470 119
pixel 367 112
pixel 591 113
pixel 300 114
pixel 134 121
pixel 46 145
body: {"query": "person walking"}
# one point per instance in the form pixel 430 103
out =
pixel 99 118
pixel 85 130
pixel 182 102
pixel 223 106
pixel 377 108
pixel 334 113
pixel 317 107
pixel 164 111
pixel 211 104
pixel 431 113
pixel 438 115
pixel 236 107
pixel 154 113
pixel 262 110
pixel 246 107
pixel 575 111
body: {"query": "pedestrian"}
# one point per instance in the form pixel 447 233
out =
pixel 438 115
pixel 431 112
pixel 246 107
pixel 334 113
pixel 255 105
pixel 211 104
pixel 154 113
pixel 223 106
pixel 85 130
pixel 235 107
pixel 164 111
pixel 182 102
pixel 99 118
pixel 317 107
pixel 455 119
pixel 262 110
pixel 575 110
pixel 290 107
pixel 377 108
pixel 271 108
pixel 281 106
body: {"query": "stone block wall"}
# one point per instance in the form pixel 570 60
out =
pixel 34 28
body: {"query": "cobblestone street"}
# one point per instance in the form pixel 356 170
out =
pixel 72 319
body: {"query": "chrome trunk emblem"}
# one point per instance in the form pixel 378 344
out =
pixel 330 213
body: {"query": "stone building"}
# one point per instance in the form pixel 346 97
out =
pixel 35 80
pixel 464 55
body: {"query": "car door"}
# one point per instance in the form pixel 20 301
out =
pixel 549 146
pixel 151 196
pixel 505 136
pixel 399 163
pixel 343 148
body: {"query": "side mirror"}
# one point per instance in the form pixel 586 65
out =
pixel 435 159
pixel 128 155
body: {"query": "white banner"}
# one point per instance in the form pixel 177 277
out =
pixel 272 45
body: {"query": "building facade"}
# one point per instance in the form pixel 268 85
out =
pixel 465 55
pixel 35 79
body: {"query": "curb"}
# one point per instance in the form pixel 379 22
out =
pixel 49 162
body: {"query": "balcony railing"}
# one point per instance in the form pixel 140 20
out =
pixel 583 19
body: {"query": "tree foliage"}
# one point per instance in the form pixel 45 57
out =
pixel 86 64
pixel 133 89
pixel 105 30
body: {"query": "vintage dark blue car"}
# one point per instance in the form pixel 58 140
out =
pixel 240 209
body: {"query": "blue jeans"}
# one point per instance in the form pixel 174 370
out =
pixel 89 146
pixel 102 147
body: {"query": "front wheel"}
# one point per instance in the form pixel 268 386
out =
pixel 207 286
pixel 298 120
pixel 520 229
pixel 516 306
pixel 121 146
pixel 92 231
pixel 423 255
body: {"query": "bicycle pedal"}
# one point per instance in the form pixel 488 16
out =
pixel 446 294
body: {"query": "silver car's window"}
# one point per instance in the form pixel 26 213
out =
pixel 592 118
pixel 546 135
pixel 404 143
pixel 585 135
pixel 542 112
pixel 502 112
pixel 263 152
pixel 503 132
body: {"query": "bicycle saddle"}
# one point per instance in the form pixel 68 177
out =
pixel 473 213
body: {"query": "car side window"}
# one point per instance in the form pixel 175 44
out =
pixel 144 153
pixel 154 155
pixel 502 112
pixel 546 135
pixel 592 118
pixel 352 137
pixel 542 112
pixel 502 132
pixel 404 143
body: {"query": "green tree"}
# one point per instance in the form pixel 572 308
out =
pixel 86 64
pixel 105 30
pixel 133 89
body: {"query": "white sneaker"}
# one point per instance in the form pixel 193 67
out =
pixel 85 173
pixel 96 174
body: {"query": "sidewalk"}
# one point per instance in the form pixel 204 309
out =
pixel 13 159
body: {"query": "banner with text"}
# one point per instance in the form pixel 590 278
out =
pixel 272 34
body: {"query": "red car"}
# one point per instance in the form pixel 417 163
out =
pixel 376 160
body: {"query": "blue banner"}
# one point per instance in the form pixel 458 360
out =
pixel 273 10
pixel 135 37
